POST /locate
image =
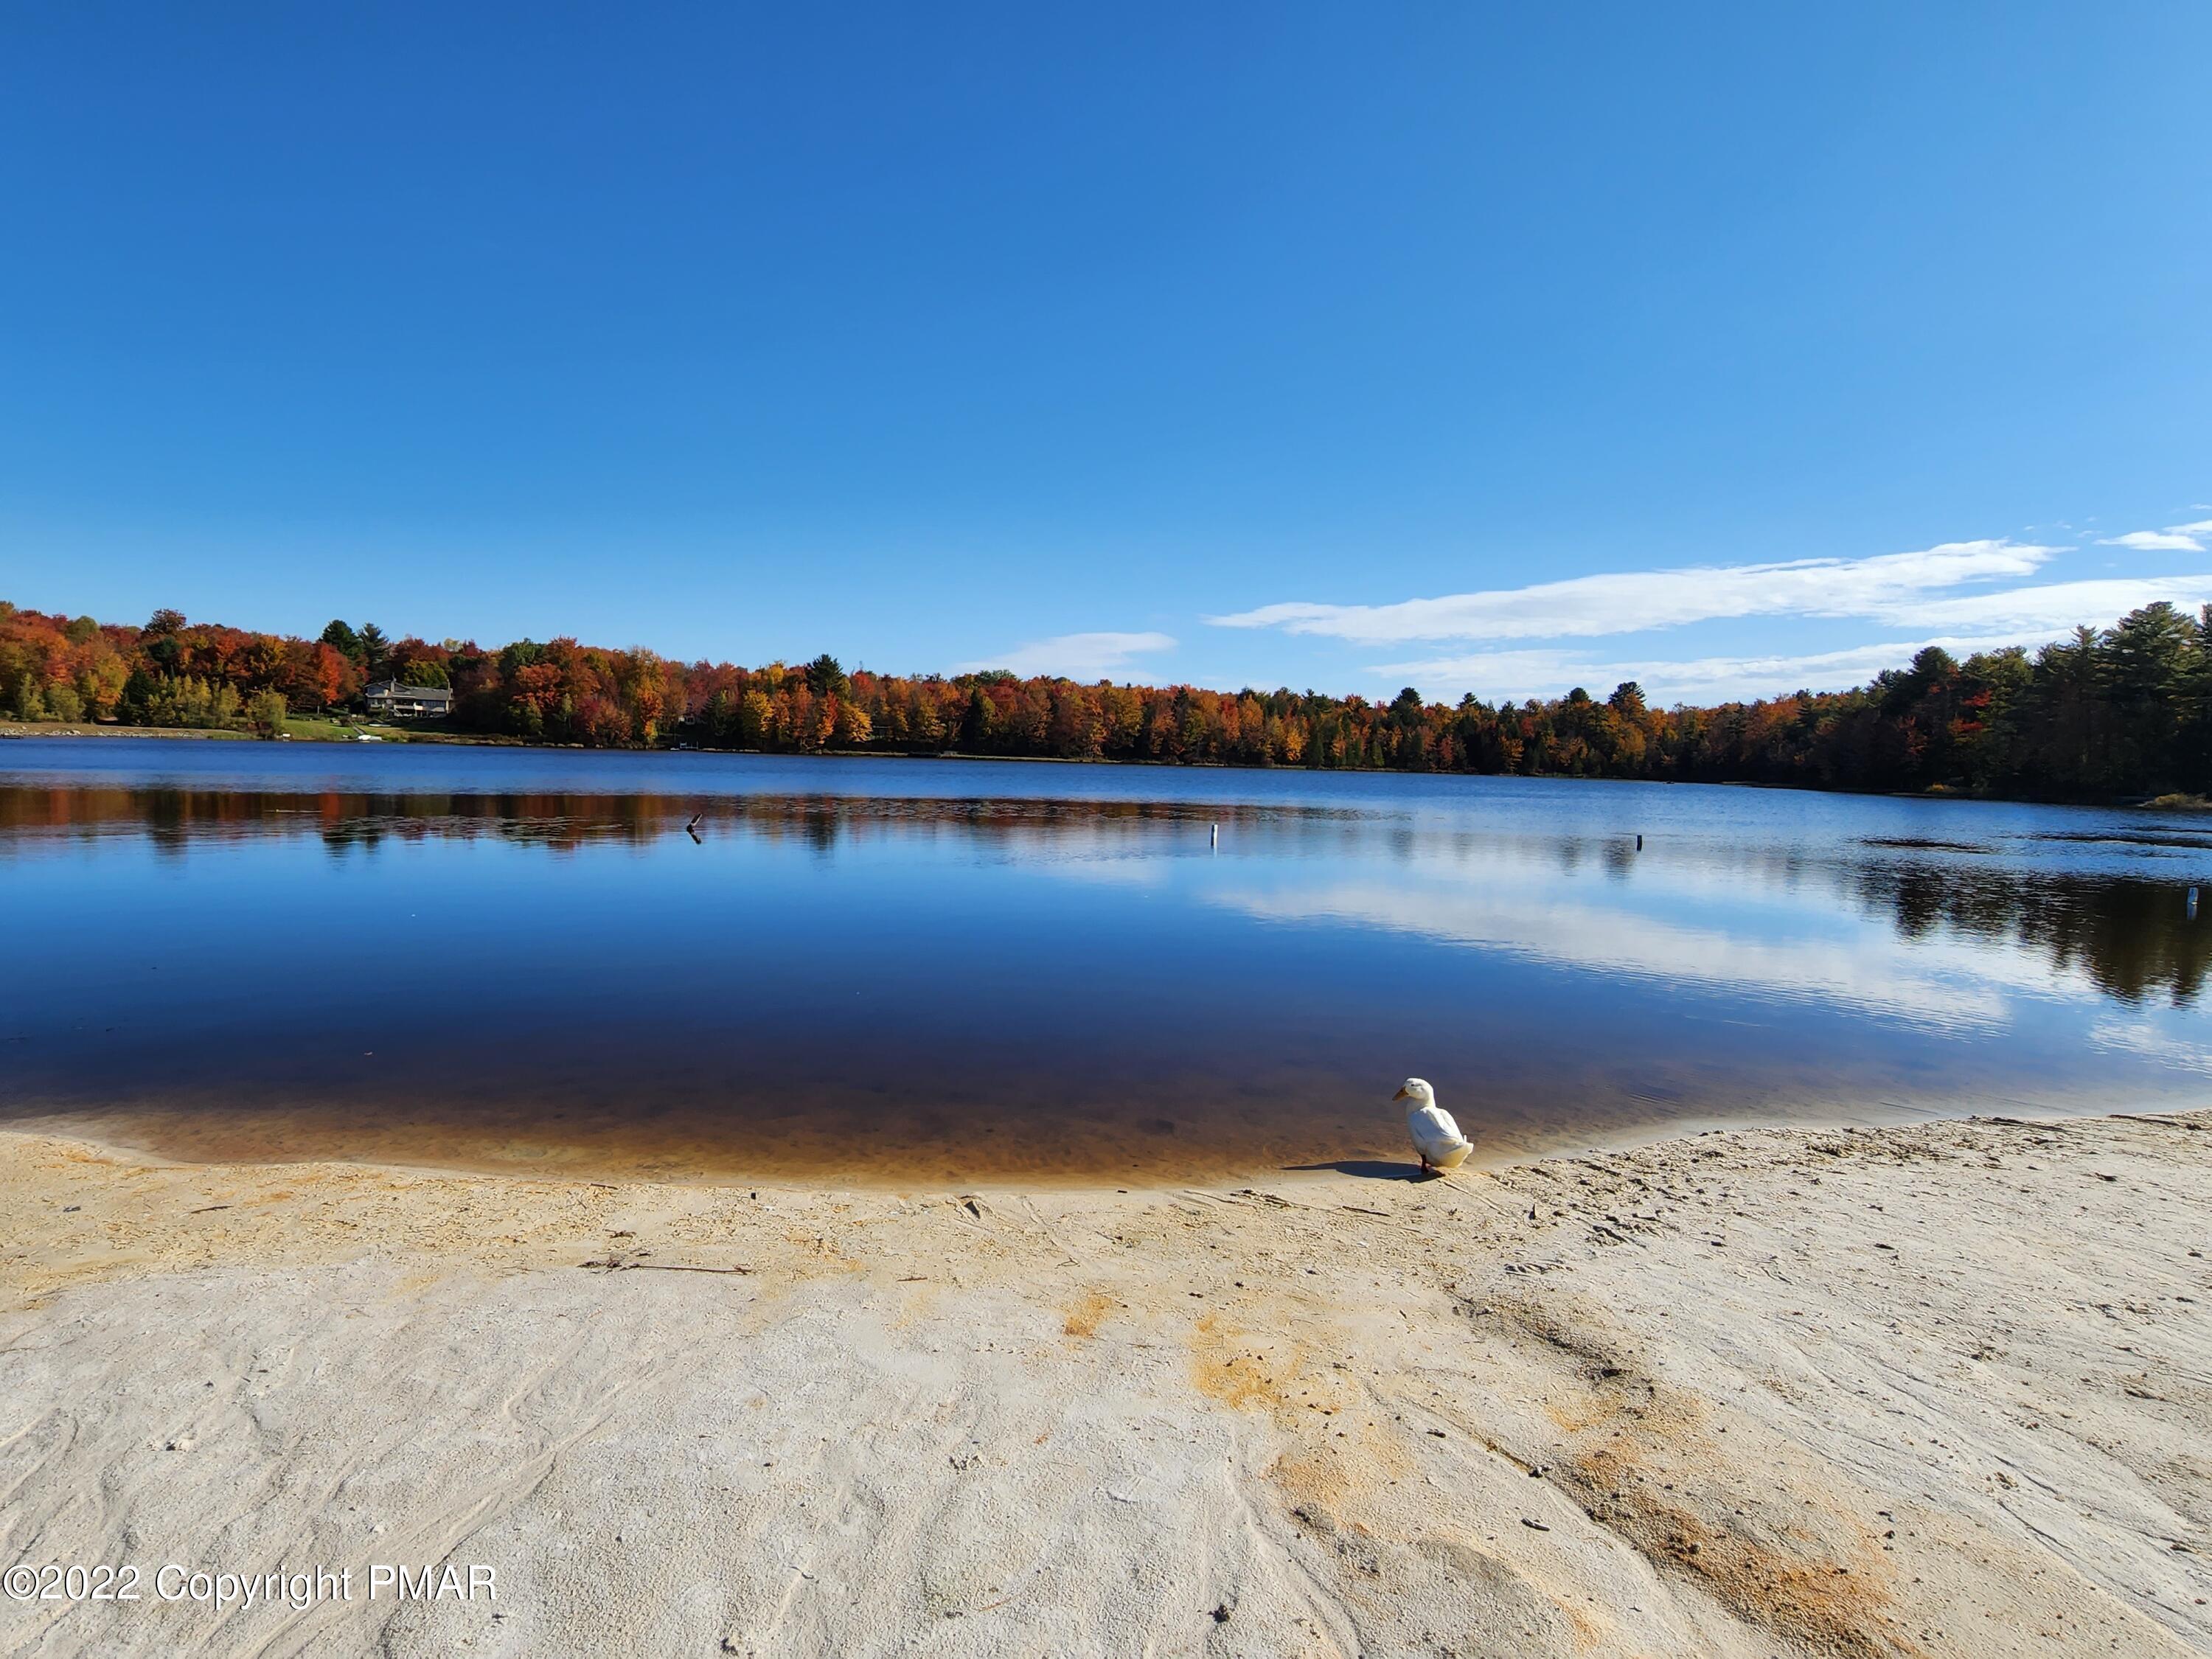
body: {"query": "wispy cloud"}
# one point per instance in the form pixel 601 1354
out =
pixel 2174 538
pixel 2153 541
pixel 1817 670
pixel 1965 596
pixel 1077 656
pixel 1512 675
pixel 2053 607
pixel 1890 587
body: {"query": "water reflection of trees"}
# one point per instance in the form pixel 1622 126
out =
pixel 2134 939
pixel 173 819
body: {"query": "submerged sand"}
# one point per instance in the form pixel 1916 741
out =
pixel 1941 1389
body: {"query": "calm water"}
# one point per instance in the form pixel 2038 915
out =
pixel 713 966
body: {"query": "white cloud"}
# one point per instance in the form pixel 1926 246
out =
pixel 1887 587
pixel 1495 674
pixel 1077 656
pixel 2155 541
pixel 1510 676
pixel 2174 538
pixel 1513 675
pixel 2053 607
pixel 1819 670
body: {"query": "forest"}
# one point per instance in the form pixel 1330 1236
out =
pixel 2117 713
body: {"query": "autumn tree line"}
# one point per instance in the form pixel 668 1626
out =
pixel 2117 713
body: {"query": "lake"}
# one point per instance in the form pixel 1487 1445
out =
pixel 701 966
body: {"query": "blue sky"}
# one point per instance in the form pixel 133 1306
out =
pixel 1479 348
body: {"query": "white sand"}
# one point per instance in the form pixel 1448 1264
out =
pixel 1939 1390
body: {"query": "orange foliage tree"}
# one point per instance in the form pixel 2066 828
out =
pixel 2128 709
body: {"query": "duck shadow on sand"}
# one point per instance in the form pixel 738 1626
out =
pixel 1367 1169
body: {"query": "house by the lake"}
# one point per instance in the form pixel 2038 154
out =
pixel 396 702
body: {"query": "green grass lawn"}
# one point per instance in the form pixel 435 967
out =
pixel 302 727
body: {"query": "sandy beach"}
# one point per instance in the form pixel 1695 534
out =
pixel 1939 1389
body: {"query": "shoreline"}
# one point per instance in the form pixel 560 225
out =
pixel 1932 1387
pixel 2181 805
pixel 9 729
pixel 433 1148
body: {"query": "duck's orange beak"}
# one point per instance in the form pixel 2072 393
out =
pixel 1401 1095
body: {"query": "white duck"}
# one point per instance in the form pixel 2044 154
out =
pixel 1436 1136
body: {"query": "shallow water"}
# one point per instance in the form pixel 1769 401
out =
pixel 701 966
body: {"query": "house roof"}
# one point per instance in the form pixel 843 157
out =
pixel 394 689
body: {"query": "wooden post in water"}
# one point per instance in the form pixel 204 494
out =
pixel 1214 841
pixel 2192 904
